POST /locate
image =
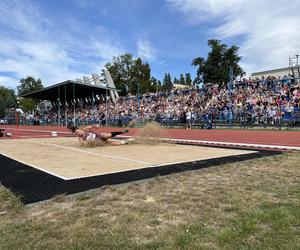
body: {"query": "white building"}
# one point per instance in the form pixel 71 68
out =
pixel 277 73
pixel 292 72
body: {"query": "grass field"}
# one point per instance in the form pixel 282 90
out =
pixel 254 204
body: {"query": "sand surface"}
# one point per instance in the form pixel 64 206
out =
pixel 64 157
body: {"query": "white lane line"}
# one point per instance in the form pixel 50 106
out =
pixel 233 144
pixel 35 136
pixel 91 153
pixel 37 130
pixel 218 143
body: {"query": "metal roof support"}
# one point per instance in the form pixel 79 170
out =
pixel 74 108
pixel 110 84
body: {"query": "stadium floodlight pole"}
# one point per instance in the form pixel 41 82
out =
pixel 230 84
pixel 74 108
pixel 66 113
pixel 17 114
pixel 93 106
pixel 138 104
pixel 230 92
pixel 58 107
pixel 106 113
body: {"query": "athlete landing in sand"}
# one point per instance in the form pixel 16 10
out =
pixel 89 134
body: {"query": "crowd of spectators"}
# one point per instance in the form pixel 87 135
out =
pixel 248 103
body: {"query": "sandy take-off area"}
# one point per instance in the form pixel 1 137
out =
pixel 65 158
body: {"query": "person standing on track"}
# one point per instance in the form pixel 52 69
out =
pixel 189 119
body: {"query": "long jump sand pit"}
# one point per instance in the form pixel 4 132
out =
pixel 66 159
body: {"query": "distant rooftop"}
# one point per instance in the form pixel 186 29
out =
pixel 270 71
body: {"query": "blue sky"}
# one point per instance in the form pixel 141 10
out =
pixel 59 40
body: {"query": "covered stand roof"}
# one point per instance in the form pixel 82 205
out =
pixel 65 89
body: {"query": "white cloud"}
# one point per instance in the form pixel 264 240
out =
pixel 9 82
pixel 34 45
pixel 199 10
pixel 269 28
pixel 145 50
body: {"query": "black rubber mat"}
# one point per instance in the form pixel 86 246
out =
pixel 33 185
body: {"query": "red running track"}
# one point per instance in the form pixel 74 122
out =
pixel 265 137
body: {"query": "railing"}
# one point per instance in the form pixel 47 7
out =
pixel 207 121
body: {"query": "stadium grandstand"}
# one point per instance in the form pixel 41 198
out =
pixel 66 97
pixel 261 103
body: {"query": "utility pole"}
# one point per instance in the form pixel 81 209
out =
pixel 230 95
pixel 294 68
pixel 138 104
pixel 230 84
pixel 298 69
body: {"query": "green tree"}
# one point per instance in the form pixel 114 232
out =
pixel 182 79
pixel 155 84
pixel 128 72
pixel 28 85
pixel 153 81
pixel 121 72
pixel 215 68
pixel 160 86
pixel 7 99
pixel 188 79
pixel 141 74
pixel 167 82
pixel 200 63
pixel 176 81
